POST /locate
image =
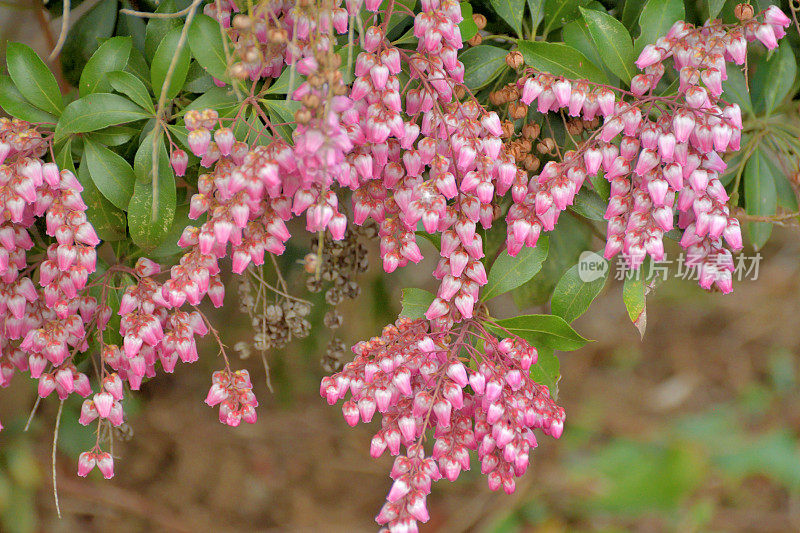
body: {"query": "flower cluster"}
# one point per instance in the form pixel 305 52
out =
pixel 667 159
pixel 417 379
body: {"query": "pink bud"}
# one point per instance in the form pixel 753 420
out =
pixel 105 463
pixel 86 462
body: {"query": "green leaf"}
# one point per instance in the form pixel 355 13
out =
pixel 162 59
pixel 508 272
pixel 400 18
pixel 33 79
pixel 415 302
pixel 482 64
pixel 112 55
pixel 613 39
pixel 560 60
pixel 198 80
pixel 97 111
pixel 559 12
pixel 114 135
pixel 547 370
pixel 132 87
pixel 761 198
pixel 579 286
pixel 656 19
pixel 169 245
pixel 576 35
pixel 512 11
pixel 467 26
pixel 221 99
pixel 735 91
pixel 536 8
pixel 13 103
pixel 283 109
pixel 150 219
pixel 630 12
pixel 108 221
pixel 548 331
pixel 84 37
pixel 205 40
pixel 566 243
pixel 633 295
pixel 588 204
pixel 714 7
pixel 774 79
pixel 157 28
pixel 112 175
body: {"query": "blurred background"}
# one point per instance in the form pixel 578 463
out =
pixel 693 428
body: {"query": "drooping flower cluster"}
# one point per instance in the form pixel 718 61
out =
pixel 418 380
pixel 669 146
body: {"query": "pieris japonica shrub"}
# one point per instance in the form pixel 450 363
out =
pixel 185 150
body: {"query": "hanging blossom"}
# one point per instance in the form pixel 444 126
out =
pixel 420 379
pixel 667 158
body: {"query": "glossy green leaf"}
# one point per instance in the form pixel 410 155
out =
pixel 283 109
pixel 547 370
pixel 112 55
pixel 536 11
pixel 415 302
pixel 560 60
pixel 774 79
pixel 656 19
pixel 33 79
pixel 97 111
pixel 630 13
pixel 132 87
pixel 111 174
pixel 613 39
pixel 482 64
pixel 108 221
pixel 13 103
pixel 467 26
pixel 157 28
pixel 205 41
pixel 576 35
pixel 559 12
pixel 549 331
pixel 714 7
pixel 760 194
pixel 114 135
pixel 400 18
pixel 511 11
pixel 579 286
pixel 588 204
pixel 735 91
pixel 149 216
pixel 633 296
pixel 221 99
pixel 169 245
pixel 162 59
pixel 85 36
pixel 565 243
pixel 508 272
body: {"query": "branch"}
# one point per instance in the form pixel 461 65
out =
pixel 162 100
pixel 63 35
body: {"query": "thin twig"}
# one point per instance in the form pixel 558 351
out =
pixel 162 100
pixel 147 15
pixel 55 443
pixel 63 35
pixel 33 412
pixel 227 51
